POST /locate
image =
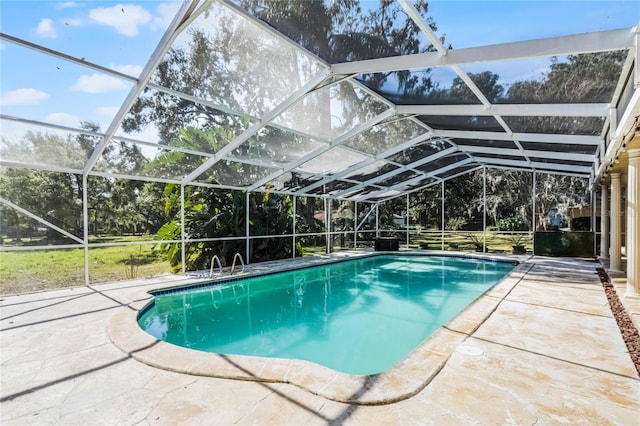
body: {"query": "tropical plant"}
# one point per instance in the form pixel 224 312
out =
pixel 208 213
pixel 478 240
pixel 517 242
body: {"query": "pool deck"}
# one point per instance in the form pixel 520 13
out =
pixel 543 348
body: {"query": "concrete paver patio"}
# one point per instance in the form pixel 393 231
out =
pixel 550 353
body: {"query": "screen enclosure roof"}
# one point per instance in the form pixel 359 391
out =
pixel 355 100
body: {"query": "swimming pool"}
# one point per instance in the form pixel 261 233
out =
pixel 359 317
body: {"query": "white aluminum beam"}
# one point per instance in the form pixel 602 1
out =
pixel 336 176
pixel 45 167
pixel 529 170
pixel 367 162
pixel 41 220
pixel 529 153
pixel 424 27
pixel 50 125
pixel 34 248
pixel 445 169
pixel 463 173
pixel 65 57
pixel 636 53
pixel 253 129
pixel 227 110
pixel 392 173
pixel 600 41
pixel 438 182
pixel 534 164
pixel 163 180
pixel 175 27
pixel 338 141
pixel 522 137
pixel 507 129
pixel 417 179
pixel 433 157
pixel 624 74
pixel 362 222
pixel 626 125
pixel 541 110
pixel 133 177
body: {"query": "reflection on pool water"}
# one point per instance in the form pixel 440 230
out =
pixel 359 316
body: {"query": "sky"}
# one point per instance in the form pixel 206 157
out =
pixel 122 36
pixel 119 36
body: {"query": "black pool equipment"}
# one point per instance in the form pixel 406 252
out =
pixel 387 244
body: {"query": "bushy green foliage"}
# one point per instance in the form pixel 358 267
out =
pixel 512 223
pixel 455 223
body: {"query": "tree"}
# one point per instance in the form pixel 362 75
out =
pixel 425 207
pixel 509 195
pixel 561 192
pixel 583 78
pixel 57 197
pixel 53 196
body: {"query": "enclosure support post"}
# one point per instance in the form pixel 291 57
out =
pixel 604 221
pixel 616 216
pixel 633 223
pixel 85 224
pixel 377 221
pixel 407 221
pixel 484 209
pixel 442 218
pixel 355 225
pixel 247 250
pixel 293 226
pixel 533 216
pixel 593 221
pixel 327 221
pixel 182 233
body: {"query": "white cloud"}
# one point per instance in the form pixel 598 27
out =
pixel 63 119
pixel 65 5
pixel 98 83
pixel 45 29
pixel 23 97
pixel 132 70
pixel 107 111
pixel 164 14
pixel 125 18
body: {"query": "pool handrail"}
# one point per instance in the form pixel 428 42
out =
pixel 213 263
pixel 233 265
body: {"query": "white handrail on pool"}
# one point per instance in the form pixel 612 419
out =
pixel 233 265
pixel 213 263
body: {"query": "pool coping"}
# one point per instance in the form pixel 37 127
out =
pixel 402 381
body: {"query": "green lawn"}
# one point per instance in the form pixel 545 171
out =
pixel 496 243
pixel 25 271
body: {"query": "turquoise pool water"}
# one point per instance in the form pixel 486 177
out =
pixel 360 316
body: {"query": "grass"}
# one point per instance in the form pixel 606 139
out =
pixel 25 271
pixel 496 243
